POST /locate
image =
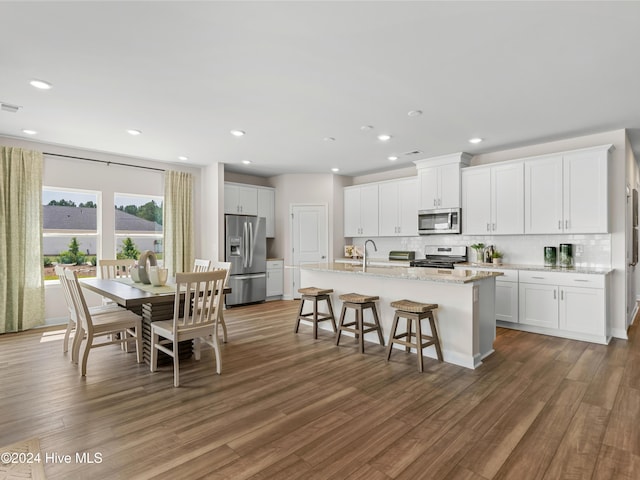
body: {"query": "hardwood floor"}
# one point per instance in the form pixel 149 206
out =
pixel 288 407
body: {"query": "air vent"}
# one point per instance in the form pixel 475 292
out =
pixel 5 107
pixel 414 152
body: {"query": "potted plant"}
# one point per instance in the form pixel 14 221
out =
pixel 479 248
pixel 497 257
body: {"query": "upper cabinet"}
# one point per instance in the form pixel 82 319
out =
pixel 361 211
pixel 567 193
pixel 267 208
pixel 398 208
pixel 241 199
pixel 492 200
pixel 439 181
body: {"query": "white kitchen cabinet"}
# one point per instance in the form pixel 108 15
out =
pixel 398 208
pixel 439 181
pixel 572 304
pixel 492 200
pixel 582 310
pixel 439 187
pixel 567 192
pixel 266 209
pixel 538 305
pixel 585 192
pixel 361 211
pixel 240 199
pixel 275 278
pixel 507 296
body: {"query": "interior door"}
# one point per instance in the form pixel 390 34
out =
pixel 310 243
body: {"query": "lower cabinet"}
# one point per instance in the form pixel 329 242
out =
pixel 573 305
pixel 275 278
pixel 507 296
pixel 563 304
pixel 539 305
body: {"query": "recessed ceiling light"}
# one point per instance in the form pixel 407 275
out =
pixel 183 158
pixel 134 132
pixel 475 140
pixel 392 158
pixel 329 139
pixel 246 162
pixel 415 113
pixel 384 137
pixel 29 132
pixel 238 133
pixel 334 169
pixel 41 84
pixel 366 127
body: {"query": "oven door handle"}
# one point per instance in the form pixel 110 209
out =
pixel 450 220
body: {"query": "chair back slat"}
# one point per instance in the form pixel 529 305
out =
pixel 116 268
pixel 222 266
pixel 201 265
pixel 202 294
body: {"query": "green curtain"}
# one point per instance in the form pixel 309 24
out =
pixel 21 273
pixel 178 222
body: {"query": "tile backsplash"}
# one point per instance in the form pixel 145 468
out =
pixel 588 250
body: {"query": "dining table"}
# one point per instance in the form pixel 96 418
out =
pixel 152 303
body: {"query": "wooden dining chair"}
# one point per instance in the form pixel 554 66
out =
pixel 106 324
pixel 73 321
pixel 201 265
pixel 227 267
pixel 198 323
pixel 116 268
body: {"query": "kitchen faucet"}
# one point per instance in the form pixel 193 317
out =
pixel 364 254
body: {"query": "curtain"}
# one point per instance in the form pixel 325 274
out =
pixel 178 222
pixel 21 272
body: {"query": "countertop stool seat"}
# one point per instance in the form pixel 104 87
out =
pixel 315 295
pixel 359 327
pixel 414 311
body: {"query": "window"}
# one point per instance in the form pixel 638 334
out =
pixel 138 225
pixel 70 230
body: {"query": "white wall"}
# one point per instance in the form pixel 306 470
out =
pixel 325 189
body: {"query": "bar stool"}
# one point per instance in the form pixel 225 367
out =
pixel 359 303
pixel 414 311
pixel 315 295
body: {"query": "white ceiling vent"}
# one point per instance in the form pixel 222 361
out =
pixel 6 107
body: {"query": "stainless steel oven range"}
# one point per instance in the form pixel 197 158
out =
pixel 442 257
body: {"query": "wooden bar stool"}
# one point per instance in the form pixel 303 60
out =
pixel 359 327
pixel 315 295
pixel 414 311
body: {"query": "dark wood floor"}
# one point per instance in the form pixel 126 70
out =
pixel 288 407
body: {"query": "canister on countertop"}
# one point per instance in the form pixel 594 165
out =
pixel 566 255
pixel 550 256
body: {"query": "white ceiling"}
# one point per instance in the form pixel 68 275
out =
pixel 292 73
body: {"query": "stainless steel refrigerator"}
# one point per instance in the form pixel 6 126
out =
pixel 246 249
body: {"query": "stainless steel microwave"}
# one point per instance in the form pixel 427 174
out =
pixel 442 220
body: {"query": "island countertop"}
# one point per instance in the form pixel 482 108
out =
pixel 459 276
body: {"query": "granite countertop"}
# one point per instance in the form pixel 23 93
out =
pixel 536 268
pixel 458 276
pixel 381 261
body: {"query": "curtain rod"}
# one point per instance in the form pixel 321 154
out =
pixel 104 161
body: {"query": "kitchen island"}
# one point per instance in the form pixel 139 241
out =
pixel 466 302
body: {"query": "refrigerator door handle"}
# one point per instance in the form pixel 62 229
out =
pixel 245 250
pixel 250 244
pixel 248 277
